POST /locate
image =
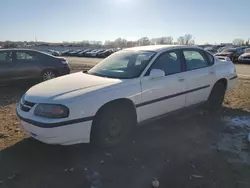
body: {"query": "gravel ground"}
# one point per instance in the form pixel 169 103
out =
pixel 191 150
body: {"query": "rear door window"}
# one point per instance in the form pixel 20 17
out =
pixel 194 60
pixel 5 57
pixel 28 56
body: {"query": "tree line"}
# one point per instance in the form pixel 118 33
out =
pixel 187 39
pixel 241 42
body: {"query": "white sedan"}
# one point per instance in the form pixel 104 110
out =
pixel 129 87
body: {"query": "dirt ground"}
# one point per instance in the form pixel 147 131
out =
pixel 191 150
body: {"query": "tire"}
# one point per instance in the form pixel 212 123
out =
pixel 111 126
pixel 48 74
pixel 216 97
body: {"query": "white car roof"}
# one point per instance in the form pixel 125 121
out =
pixel 159 48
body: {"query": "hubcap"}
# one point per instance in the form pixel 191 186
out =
pixel 115 129
pixel 48 75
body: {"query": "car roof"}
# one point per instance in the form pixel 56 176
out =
pixel 159 48
pixel 19 49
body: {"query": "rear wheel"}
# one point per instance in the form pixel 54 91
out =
pixel 48 74
pixel 111 126
pixel 216 97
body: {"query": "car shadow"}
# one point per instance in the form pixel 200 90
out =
pixel 144 155
pixel 11 93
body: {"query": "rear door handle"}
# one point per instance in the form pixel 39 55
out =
pixel 211 72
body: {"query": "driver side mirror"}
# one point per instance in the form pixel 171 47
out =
pixel 156 73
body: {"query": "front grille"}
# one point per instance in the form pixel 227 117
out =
pixel 25 108
pixel 26 105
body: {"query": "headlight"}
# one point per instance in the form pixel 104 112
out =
pixel 51 111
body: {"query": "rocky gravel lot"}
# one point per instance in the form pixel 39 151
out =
pixel 191 150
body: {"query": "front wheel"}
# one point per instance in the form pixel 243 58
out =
pixel 216 97
pixel 111 127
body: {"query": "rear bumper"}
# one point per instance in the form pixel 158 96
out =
pixel 63 71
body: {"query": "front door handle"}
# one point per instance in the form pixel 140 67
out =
pixel 211 72
pixel 181 79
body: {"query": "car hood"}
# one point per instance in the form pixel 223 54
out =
pixel 67 87
pixel 224 53
pixel 245 55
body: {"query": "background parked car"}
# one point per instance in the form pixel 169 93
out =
pixel 105 53
pixel 88 54
pixel 54 53
pixel 94 54
pixel 245 57
pixel 74 53
pixel 211 49
pixel 23 64
pixel 232 53
pixel 66 52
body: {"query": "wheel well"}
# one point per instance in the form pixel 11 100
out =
pixel 126 104
pixel 224 81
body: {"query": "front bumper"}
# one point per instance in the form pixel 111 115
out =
pixel 247 61
pixel 62 134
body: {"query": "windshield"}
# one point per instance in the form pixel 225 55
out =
pixel 230 50
pixel 123 64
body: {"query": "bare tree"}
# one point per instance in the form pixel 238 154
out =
pixel 238 41
pixel 144 41
pixel 131 44
pixel 162 40
pixel 168 40
pixel 187 39
pixel 108 44
pixel 181 40
pixel 154 40
pixel 120 43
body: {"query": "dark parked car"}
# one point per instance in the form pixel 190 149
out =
pixel 54 53
pixel 88 54
pixel 211 49
pixel 74 53
pixel 83 53
pixel 66 52
pixel 105 53
pixel 94 53
pixel 23 64
pixel 232 53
